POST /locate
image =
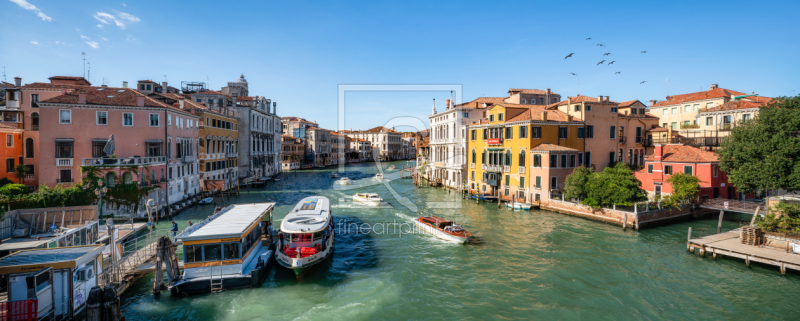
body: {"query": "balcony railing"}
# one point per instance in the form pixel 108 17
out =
pixel 483 166
pixel 623 139
pixel 64 162
pixel 506 168
pixel 494 168
pixel 99 161
pixel 522 169
pixel 472 165
pixel 35 128
pixel 724 127
pixel 188 158
pixel 66 180
pixel 30 176
pixel 232 155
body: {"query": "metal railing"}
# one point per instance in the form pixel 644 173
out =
pixel 67 180
pixel 494 168
pixel 97 161
pixel 623 139
pixel 134 253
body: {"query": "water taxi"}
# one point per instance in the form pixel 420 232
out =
pixel 344 181
pixel 443 229
pixel 225 251
pixel 306 235
pixel 368 198
pixel 334 175
pixel 379 176
pixel 518 205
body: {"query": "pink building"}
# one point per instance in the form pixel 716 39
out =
pixel 77 123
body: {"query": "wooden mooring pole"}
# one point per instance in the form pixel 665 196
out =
pixel 719 224
pixel 625 222
pixel 688 240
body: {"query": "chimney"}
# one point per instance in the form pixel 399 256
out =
pixel 669 134
pixel 544 115
pixel 606 99
pixel 447 104
pixel 82 98
pixel 658 153
pixel 652 102
pixel 17 81
pixel 234 100
pixel 164 87
pixel 599 98
pixel 714 86
pixel 569 118
pixel 275 108
pixel 124 84
pixel 140 101
pixel 548 91
pixel 182 102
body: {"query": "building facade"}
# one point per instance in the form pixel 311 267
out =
pixel 680 111
pixel 293 152
pixel 387 141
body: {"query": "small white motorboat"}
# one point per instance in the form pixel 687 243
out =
pixel 345 181
pixel 379 176
pixel 391 168
pixel 334 175
pixel 518 205
pixel 368 198
pixel 206 201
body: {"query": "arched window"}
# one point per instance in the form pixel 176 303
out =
pixel 111 180
pixel 483 157
pixel 29 147
pixel 127 178
pixel 508 158
pixel 522 158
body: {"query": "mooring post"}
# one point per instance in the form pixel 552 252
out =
pixel 753 221
pixel 719 224
pixel 689 239
pixel 625 222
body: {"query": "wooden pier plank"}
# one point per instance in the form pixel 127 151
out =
pixel 729 243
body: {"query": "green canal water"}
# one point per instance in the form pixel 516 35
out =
pixel 523 265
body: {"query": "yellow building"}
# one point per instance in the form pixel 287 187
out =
pixel 523 151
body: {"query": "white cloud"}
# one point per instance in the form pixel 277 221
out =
pixel 119 21
pixel 93 44
pixel 27 6
pixel 124 5
pixel 104 38
pixel 84 37
pixel 34 42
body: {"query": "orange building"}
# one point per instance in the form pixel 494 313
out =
pixel 12 149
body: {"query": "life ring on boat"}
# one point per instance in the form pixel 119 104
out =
pixel 317 247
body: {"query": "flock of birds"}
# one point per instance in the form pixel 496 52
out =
pixel 603 61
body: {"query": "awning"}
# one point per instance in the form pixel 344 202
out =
pixel 153 141
pixel 494 149
pixel 64 139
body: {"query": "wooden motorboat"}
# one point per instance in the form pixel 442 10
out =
pixel 443 229
pixel 368 198
pixel 306 235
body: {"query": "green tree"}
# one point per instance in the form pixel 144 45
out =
pixel 685 187
pixel 20 171
pixel 575 185
pixel 614 185
pixel 765 152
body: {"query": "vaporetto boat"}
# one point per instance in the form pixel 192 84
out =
pixel 306 235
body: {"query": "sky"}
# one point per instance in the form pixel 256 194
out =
pixel 298 53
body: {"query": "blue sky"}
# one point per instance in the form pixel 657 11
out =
pixel 298 52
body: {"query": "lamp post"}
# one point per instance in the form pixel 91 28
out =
pixel 100 191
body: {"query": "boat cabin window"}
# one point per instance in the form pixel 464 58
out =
pixel 445 224
pixel 193 253
pixel 301 237
pixel 427 221
pixel 318 236
pixel 212 252
pixel 231 251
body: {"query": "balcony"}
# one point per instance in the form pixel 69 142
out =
pixel 506 169
pixel 30 177
pixel 483 166
pixel 64 162
pixel 231 155
pixel 187 158
pixel 35 128
pixel 472 165
pixel 623 139
pixel 135 160
pixel 725 127
pixel 522 169
pixel 494 168
pixel 66 180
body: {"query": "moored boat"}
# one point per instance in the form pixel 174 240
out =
pixel 225 251
pixel 205 201
pixel 443 229
pixel 483 197
pixel 368 198
pixel 518 205
pixel 306 235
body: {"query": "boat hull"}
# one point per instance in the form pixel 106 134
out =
pixel 366 201
pixel 301 265
pixel 519 206
pixel 440 234
pixel 203 285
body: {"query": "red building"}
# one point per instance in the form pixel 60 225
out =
pixel 672 159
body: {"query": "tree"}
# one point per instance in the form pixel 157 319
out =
pixel 20 171
pixel 684 187
pixel 765 152
pixel 614 185
pixel 575 185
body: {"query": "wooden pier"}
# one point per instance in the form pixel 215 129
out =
pixel 730 244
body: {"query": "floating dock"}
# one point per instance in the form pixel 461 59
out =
pixel 730 244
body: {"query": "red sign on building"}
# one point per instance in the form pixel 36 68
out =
pixel 494 140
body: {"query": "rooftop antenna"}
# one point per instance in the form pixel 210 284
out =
pixel 4 73
pixel 207 84
pixel 105 80
pixel 165 78
pixel 84 63
pixel 667 86
pixel 89 71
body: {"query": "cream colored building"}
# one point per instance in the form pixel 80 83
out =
pixel 680 111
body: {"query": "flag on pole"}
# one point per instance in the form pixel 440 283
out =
pixel 109 148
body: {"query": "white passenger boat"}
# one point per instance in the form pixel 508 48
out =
pixel 224 251
pixel 368 198
pixel 306 235
pixel 518 205
pixel 334 175
pixel 379 176
pixel 344 181
pixel 443 229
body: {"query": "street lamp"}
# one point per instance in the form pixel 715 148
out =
pixel 100 192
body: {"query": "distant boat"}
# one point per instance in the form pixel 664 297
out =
pixel 345 181
pixel 379 176
pixel 334 175
pixel 391 168
pixel 306 235
pixel 368 198
pixel 518 205
pixel 483 197
pixel 205 201
pixel 443 229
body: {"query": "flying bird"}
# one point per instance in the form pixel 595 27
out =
pixel 600 45
pixel 643 82
pixel 574 74
pixel 606 54
pixel 617 73
pixel 588 38
pixel 601 62
pixel 644 51
pixel 570 55
pixel 613 61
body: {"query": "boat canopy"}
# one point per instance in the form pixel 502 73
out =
pixel 311 214
pixel 56 258
pixel 438 221
pixel 231 222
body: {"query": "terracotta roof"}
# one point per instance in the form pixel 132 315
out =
pixel 741 104
pixel 68 78
pixel 107 96
pixel 4 84
pixel 245 98
pixel 553 148
pixel 292 118
pixel 535 113
pixel 288 136
pixel 9 126
pixel 187 101
pixel 629 103
pixel 478 102
pixel 701 95
pixel 380 129
pixel 53 86
pixel 578 99
pixel 209 92
pixel 685 154
pixel 530 91
pixel 147 81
